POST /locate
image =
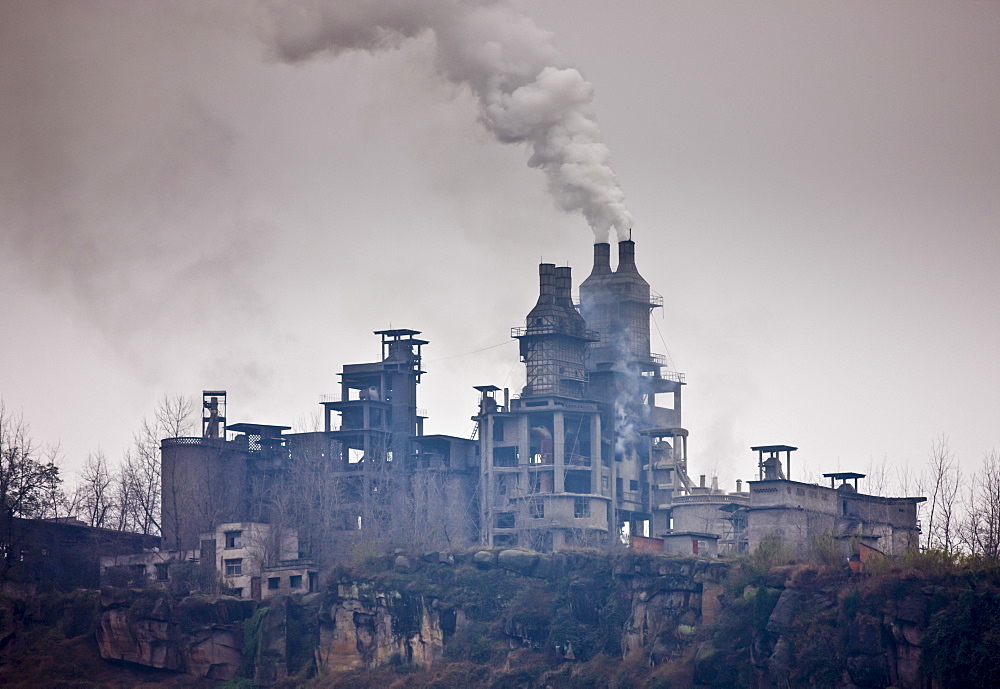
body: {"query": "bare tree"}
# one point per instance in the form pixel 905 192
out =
pixel 27 481
pixel 95 491
pixel 979 532
pixel 941 481
pixel 173 417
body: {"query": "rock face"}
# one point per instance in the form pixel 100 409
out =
pixel 665 601
pixel 361 627
pixel 198 636
pixel 855 642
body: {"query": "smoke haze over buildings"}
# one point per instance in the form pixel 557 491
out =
pixel 183 208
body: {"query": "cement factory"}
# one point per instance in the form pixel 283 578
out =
pixel 591 452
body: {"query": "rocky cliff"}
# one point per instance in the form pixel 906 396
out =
pixel 520 619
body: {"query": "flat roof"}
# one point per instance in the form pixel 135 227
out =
pixel 397 332
pixel 843 475
pixel 773 448
pixel 251 427
pixel 664 432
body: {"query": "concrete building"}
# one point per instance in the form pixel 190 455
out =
pixel 800 512
pixel 592 448
pixel 249 559
pixel 371 473
pixel 577 457
pixel 61 554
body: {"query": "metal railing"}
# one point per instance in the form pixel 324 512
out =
pixel 709 498
pixel 548 329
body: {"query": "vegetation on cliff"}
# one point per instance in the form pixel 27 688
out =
pixel 576 620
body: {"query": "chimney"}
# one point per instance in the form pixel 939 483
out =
pixel 739 485
pixel 564 287
pixel 546 283
pixel 701 481
pixel 626 257
pixel 602 259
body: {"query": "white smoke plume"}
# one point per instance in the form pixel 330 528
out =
pixel 524 95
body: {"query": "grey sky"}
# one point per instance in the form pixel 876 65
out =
pixel 815 187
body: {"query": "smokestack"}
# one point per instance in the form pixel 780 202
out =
pixel 602 259
pixel 701 481
pixel 546 283
pixel 626 257
pixel 564 286
pixel 739 485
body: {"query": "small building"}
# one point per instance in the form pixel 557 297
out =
pixel 800 512
pixel 63 553
pixel 155 565
pixel 692 543
pixel 237 553
pixel 290 577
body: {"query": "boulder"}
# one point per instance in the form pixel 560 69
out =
pixel 787 607
pixel 520 561
pixel 484 559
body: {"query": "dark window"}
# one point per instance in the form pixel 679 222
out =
pixel 234 568
pixel 619 486
pixel 137 571
pixel 536 508
pixel 577 482
pixel 273 583
pixel 295 581
pixel 504 520
pixel 161 572
pixel 505 456
pixel 234 539
pixel 633 485
pixel 581 507
pixel 497 429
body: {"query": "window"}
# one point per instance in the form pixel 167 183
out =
pixel 273 583
pixel 505 456
pixel 498 430
pixel 234 567
pixel 234 539
pixel 619 486
pixel 605 483
pixel 295 581
pixel 633 485
pixel 161 572
pixel 581 507
pixel 536 508
pixel 504 520
pixel 137 572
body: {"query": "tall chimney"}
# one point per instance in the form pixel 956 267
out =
pixel 546 283
pixel 739 485
pixel 626 257
pixel 564 288
pixel 602 259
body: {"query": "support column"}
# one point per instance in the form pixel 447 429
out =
pixel 558 453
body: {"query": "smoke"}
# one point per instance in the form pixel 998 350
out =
pixel 524 95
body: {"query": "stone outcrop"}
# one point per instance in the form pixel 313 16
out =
pixel 809 632
pixel 362 627
pixel 199 636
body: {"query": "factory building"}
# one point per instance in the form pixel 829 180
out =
pixel 589 447
pixel 590 450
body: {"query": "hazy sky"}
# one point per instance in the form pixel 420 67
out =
pixel 815 190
